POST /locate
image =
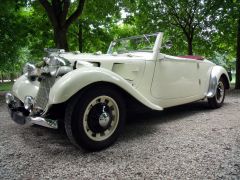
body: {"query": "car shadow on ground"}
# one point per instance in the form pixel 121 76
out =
pixel 140 124
pixel 137 126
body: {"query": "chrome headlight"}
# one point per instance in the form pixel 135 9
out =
pixel 56 61
pixel 53 70
pixel 29 69
pixel 28 103
pixel 9 98
pixel 55 64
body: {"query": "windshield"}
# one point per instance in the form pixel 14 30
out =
pixel 144 43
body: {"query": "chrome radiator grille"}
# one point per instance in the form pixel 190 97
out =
pixel 43 93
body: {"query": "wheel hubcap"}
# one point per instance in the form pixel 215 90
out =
pixel 101 118
pixel 104 119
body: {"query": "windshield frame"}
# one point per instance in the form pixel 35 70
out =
pixel 144 36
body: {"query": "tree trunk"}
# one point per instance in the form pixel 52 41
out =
pixel 2 77
pixel 60 38
pixel 190 46
pixel 237 85
pixel 12 77
pixel 57 11
pixel 80 36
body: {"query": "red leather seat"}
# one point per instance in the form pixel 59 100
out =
pixel 193 57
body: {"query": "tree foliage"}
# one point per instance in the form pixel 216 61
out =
pixel 189 22
pixel 11 20
pixel 92 30
pixel 208 28
pixel 227 40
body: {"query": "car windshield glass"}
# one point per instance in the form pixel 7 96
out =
pixel 143 43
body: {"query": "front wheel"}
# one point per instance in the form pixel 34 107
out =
pixel 95 118
pixel 218 99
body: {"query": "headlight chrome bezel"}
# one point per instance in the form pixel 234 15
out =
pixel 9 98
pixel 56 61
pixel 54 64
pixel 30 70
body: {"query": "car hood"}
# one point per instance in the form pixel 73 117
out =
pixel 72 57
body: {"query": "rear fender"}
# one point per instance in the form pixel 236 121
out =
pixel 216 73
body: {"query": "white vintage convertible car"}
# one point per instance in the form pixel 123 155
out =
pixel 90 93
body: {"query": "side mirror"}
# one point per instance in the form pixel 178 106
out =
pixel 168 45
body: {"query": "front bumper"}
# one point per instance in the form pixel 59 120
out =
pixel 21 116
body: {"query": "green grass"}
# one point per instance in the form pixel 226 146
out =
pixel 7 86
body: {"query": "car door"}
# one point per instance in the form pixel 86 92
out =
pixel 175 78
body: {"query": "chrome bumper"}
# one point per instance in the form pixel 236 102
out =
pixel 21 116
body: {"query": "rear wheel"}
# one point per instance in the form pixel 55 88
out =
pixel 95 118
pixel 218 99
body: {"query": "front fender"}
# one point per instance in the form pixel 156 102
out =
pixel 74 81
pixel 24 87
pixel 216 73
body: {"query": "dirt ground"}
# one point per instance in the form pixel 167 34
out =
pixel 185 142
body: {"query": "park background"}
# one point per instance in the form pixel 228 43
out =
pixel 207 28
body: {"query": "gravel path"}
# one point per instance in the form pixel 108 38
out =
pixel 186 142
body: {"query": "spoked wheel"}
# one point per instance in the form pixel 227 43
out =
pixel 94 119
pixel 218 99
